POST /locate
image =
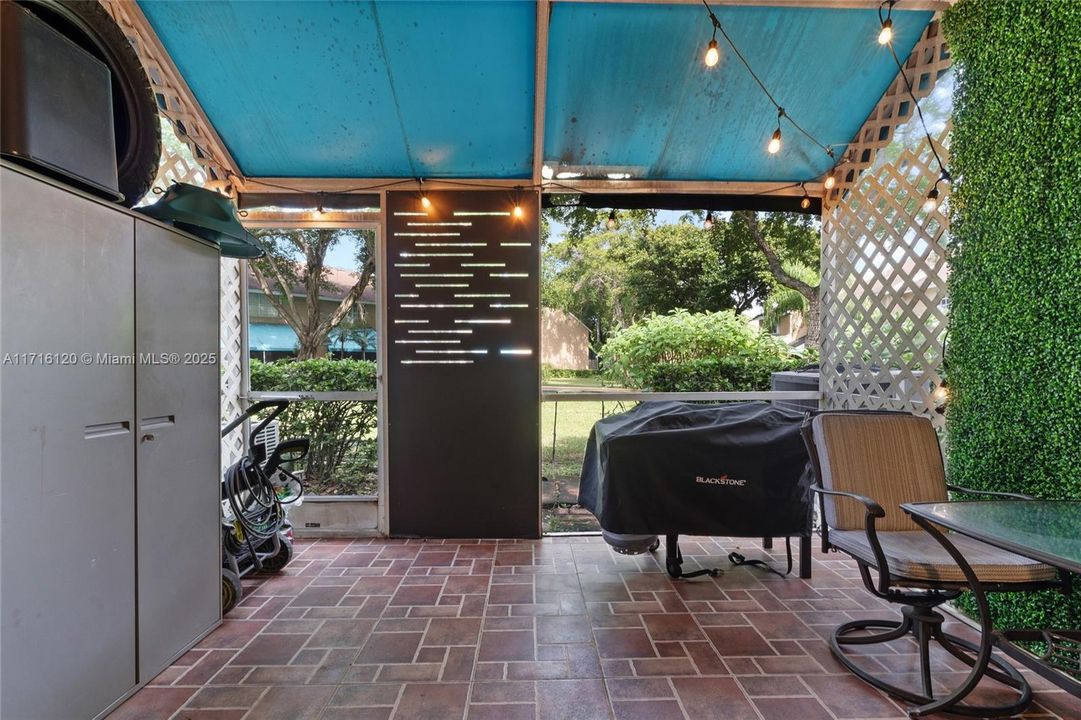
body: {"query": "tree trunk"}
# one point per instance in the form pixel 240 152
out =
pixel 814 319
pixel 776 269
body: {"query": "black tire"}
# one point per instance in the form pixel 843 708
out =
pixel 135 110
pixel 278 561
pixel 231 590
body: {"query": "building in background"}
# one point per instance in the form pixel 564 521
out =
pixel 271 338
pixel 564 341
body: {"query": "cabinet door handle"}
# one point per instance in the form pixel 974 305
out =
pixel 148 437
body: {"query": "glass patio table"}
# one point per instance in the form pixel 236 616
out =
pixel 1045 530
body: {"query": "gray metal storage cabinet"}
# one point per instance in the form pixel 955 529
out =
pixel 109 453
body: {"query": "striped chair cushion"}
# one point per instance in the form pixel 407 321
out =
pixel 891 459
pixel 916 556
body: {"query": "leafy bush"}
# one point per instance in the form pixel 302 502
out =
pixel 342 433
pixel 684 351
pixel 1014 420
pixel 547 372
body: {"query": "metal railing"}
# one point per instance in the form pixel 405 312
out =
pixel 550 394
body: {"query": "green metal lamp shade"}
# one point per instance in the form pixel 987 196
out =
pixel 208 215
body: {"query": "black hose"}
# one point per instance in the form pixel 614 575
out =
pixel 255 505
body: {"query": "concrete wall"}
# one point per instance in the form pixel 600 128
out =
pixel 564 341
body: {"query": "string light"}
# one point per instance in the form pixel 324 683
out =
pixel 774 145
pixel 805 201
pixel 425 202
pixel 931 203
pixel 944 176
pixel 713 53
pixel 612 220
pixel 885 35
pixel 941 394
pixel 708 224
pixel 831 179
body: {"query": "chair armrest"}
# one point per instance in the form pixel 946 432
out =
pixel 971 491
pixel 874 511
pixel 873 508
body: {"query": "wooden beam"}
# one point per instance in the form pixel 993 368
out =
pixel 368 185
pixel 675 187
pixel 302 219
pixel 540 87
pixel 313 186
pixel 820 4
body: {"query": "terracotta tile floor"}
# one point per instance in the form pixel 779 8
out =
pixel 559 629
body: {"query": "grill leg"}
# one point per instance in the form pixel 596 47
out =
pixel 673 561
pixel 805 556
pixel 767 543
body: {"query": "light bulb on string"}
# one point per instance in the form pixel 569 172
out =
pixel 319 213
pixel 805 201
pixel 931 203
pixel 831 179
pixel 425 202
pixel 708 224
pixel 774 145
pixel 713 53
pixel 612 220
pixel 941 394
pixel 885 34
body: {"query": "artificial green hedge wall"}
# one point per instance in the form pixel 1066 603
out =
pixel 1014 355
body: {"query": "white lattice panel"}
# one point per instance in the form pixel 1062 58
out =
pixel 174 99
pixel 884 288
pixel 928 62
pixel 206 164
pixel 234 353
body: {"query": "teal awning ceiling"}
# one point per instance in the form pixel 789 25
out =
pixel 353 340
pixel 266 337
pixel 270 337
pixel 446 89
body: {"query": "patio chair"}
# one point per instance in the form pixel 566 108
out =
pixel 867 463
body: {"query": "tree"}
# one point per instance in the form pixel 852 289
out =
pixel 786 238
pixel 296 257
pixel 587 278
pixel 683 266
pixel 578 221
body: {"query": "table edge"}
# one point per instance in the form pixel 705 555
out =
pixel 919 508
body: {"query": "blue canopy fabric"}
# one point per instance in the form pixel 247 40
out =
pixel 628 91
pixel 391 89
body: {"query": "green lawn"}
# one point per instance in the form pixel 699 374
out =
pixel 571 422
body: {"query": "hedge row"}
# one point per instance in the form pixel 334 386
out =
pixel 1014 358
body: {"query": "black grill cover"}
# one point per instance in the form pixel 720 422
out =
pixel 738 469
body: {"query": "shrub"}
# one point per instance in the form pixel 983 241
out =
pixel 684 351
pixel 342 455
pixel 549 372
pixel 1014 420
